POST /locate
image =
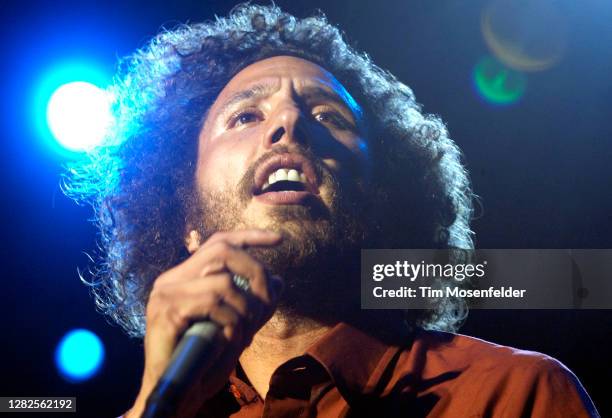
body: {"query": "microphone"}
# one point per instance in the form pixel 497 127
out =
pixel 192 355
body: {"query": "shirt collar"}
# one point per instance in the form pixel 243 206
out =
pixel 356 360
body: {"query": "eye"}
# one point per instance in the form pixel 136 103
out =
pixel 244 117
pixel 330 117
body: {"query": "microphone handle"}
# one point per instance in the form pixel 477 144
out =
pixel 192 355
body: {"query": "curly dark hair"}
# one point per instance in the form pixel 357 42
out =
pixel 140 181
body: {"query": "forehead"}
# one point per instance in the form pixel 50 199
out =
pixel 285 66
pixel 274 70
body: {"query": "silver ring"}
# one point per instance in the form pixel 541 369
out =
pixel 241 282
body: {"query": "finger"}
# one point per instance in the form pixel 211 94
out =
pixel 171 310
pixel 209 259
pixel 265 290
pixel 241 263
pixel 197 294
pixel 219 258
pixel 250 308
pixel 222 257
pixel 218 301
pixel 211 262
pixel 224 287
pixel 245 238
pixel 230 322
pixel 216 309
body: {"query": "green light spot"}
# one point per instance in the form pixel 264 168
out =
pixel 498 84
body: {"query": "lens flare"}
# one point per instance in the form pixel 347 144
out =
pixel 498 84
pixel 525 35
pixel 79 355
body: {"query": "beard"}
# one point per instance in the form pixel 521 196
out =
pixel 319 256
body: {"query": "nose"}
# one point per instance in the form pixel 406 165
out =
pixel 286 126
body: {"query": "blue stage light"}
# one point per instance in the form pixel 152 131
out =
pixel 78 115
pixel 66 96
pixel 79 355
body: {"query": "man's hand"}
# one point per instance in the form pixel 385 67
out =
pixel 202 287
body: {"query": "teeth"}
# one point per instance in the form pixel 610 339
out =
pixel 286 175
pixel 281 174
pixel 293 175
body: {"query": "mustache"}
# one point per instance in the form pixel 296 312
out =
pixel 247 182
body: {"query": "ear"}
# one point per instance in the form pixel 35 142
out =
pixel 193 241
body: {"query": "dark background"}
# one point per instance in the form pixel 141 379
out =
pixel 541 167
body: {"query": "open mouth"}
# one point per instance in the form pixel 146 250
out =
pixel 285 179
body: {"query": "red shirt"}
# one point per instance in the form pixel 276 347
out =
pixel 348 373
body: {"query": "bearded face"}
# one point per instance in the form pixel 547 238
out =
pixel 283 149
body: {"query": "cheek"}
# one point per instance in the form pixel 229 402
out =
pixel 222 163
pixel 355 156
pixel 348 144
pixel 358 146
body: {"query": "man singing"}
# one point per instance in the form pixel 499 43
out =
pixel 263 146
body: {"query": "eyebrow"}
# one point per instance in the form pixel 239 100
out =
pixel 256 91
pixel 315 92
pixel 341 97
pixel 259 91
